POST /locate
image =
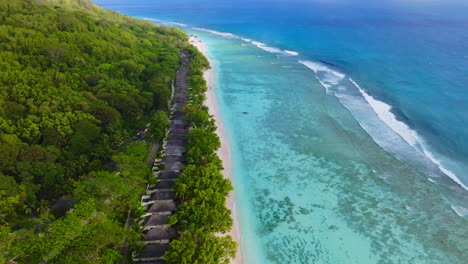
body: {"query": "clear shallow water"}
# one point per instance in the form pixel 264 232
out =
pixel 324 172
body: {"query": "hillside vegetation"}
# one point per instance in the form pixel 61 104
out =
pixel 75 81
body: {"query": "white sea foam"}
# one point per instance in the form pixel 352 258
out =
pixel 384 113
pixel 258 44
pixel 292 53
pixel 328 77
pixel 152 19
pixel 166 22
pixel 431 180
pixel 321 67
pixel 461 211
pixel 219 33
pixel 446 171
pixel 264 47
pixel 267 48
pixel 326 86
pixel 177 24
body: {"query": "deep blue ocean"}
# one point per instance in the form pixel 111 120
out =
pixel 354 144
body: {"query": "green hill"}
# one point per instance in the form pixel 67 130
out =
pixel 75 82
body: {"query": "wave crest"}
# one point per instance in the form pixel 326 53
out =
pixel 258 44
pixel 334 82
pixel 219 33
pixel 328 77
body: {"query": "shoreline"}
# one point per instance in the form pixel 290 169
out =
pixel 225 151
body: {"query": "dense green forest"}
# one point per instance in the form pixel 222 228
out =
pixel 75 83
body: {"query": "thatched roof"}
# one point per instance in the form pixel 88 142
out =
pixel 154 220
pixel 154 250
pixel 178 132
pixel 178 121
pixel 178 106
pixel 180 99
pixel 175 150
pixel 177 114
pixel 160 233
pixel 173 158
pixel 175 166
pixel 162 207
pixel 178 126
pixel 176 142
pixel 163 195
pixel 166 184
pixel 178 137
pixel 168 175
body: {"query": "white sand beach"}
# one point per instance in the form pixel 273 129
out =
pixel 225 151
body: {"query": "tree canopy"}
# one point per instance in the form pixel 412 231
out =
pixel 201 248
pixel 76 81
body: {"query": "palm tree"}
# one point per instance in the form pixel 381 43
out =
pixel 42 207
pixel 27 209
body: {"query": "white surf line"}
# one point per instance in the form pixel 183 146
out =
pixel 446 171
pixel 152 19
pixel 331 77
pixel 219 33
pixel 460 210
pixel 384 113
pixel 165 21
pixel 292 53
pixel 177 24
pixel 258 44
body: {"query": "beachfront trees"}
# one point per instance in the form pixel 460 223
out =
pixel 202 193
pixel 201 146
pixel 201 247
pixel 195 179
pixel 198 117
pixel 206 212
pixel 201 189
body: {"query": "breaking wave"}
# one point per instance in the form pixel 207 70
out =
pixel 258 44
pixel 335 82
pixel 219 33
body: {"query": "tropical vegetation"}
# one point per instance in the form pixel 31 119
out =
pixel 202 216
pixel 76 82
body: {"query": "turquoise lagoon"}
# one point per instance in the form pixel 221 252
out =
pixel 311 185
